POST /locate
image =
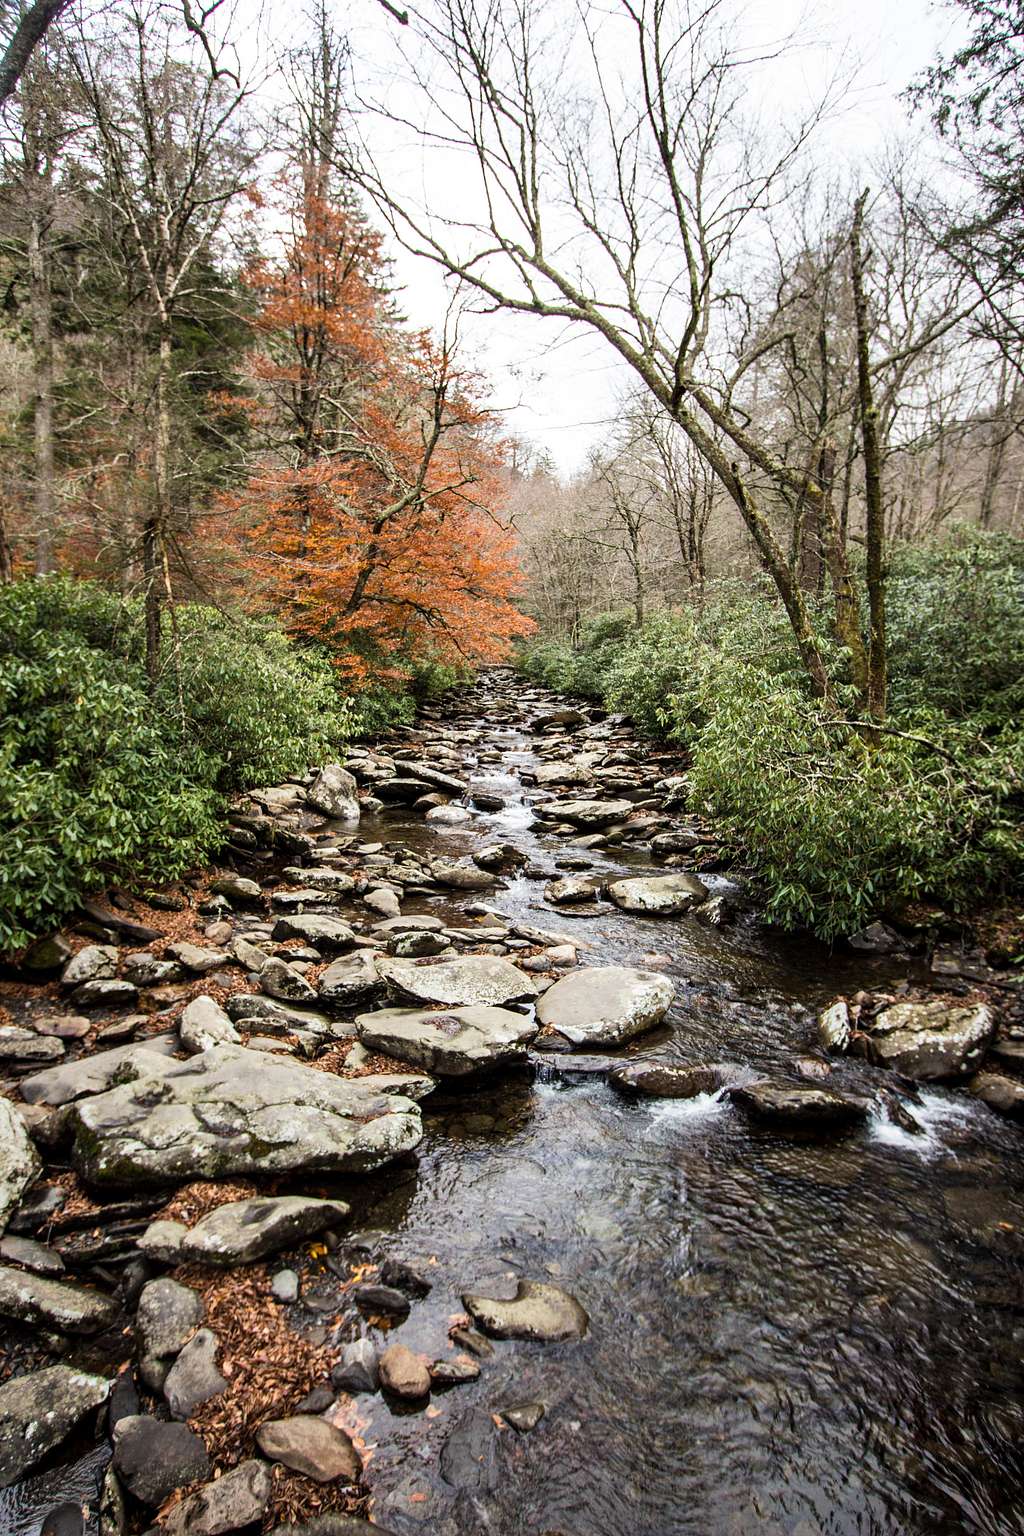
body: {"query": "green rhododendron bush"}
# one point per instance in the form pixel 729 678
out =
pixel 838 829
pixel 98 779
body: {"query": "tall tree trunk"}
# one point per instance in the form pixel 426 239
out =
pixel 6 553
pixel 39 168
pixel 996 453
pixel 846 617
pixel 157 524
pixel 874 522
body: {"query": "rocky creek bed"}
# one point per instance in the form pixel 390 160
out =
pixel 463 1156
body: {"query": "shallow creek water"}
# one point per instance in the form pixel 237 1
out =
pixel 787 1336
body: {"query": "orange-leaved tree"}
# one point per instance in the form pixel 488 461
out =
pixel 373 520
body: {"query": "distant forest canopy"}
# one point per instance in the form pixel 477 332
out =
pixel 210 392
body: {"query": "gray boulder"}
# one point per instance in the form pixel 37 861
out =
pixel 322 931
pixel 929 1041
pixel 462 877
pixel 92 963
pixel 19 1160
pixel 194 1377
pixel 236 889
pixel 454 1043
pixel 153 1458
pixel 39 1411
pixel 605 1005
pixel 168 1315
pixel 278 979
pixel 487 979
pixel 204 1023
pixel 311 1446
pixel 663 895
pixel 538 1310
pixel 104 993
pixel 358 1369
pixel 571 889
pixel 352 979
pixel 54 1303
pixel 92 1074
pixel 664 1080
pixel 238 1498
pixel 248 1230
pixel 231 1111
pixel 197 958
pixel 333 793
pixel 1003 1094
pixel 588 813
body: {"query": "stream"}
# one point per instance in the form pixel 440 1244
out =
pixel 787 1336
pixel 790 1335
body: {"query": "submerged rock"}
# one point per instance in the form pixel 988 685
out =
pixel 454 1043
pixel 663 895
pixel 470 979
pixel 798 1104
pixel 605 1005
pixel 39 1411
pixel 931 1040
pixel 1003 1094
pixel 231 1111
pixel 538 1310
pixel 404 1373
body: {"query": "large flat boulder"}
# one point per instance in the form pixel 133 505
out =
pixel 588 813
pixel 19 1160
pixel 231 1111
pixel 38 1412
pixel 247 1230
pixel 470 979
pixel 93 1074
pixel 931 1040
pixel 454 1043
pixel 801 1105
pixel 662 895
pixel 605 1004
pixel 324 932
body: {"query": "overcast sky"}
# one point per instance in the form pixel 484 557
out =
pixel 559 388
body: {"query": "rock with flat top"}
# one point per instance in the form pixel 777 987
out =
pixel 55 1304
pixel 204 1023
pixel 929 1041
pixel 605 1005
pixel 19 1160
pixel 93 1074
pixel 661 895
pixel 470 979
pixel 333 793
pixel 451 1043
pixel 93 963
pixel 247 1230
pixel 233 1111
pixel 798 1104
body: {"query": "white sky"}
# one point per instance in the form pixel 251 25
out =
pixel 558 388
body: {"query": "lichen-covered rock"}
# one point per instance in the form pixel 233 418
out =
pixel 323 931
pixel 661 895
pixel 470 979
pixel 39 1411
pixel 232 1111
pixel 931 1040
pixel 204 1023
pixel 19 1160
pixel 333 793
pixel 237 1499
pixel 93 1074
pixel 93 962
pixel 54 1303
pixel 605 1005
pixel 167 1317
pixel 452 1043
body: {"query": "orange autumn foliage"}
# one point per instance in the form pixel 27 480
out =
pixel 373 521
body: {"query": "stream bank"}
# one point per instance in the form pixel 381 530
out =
pixel 789 1330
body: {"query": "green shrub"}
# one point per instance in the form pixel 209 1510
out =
pixel 254 702
pixel 92 781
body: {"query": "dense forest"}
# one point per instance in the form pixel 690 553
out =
pixel 228 451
